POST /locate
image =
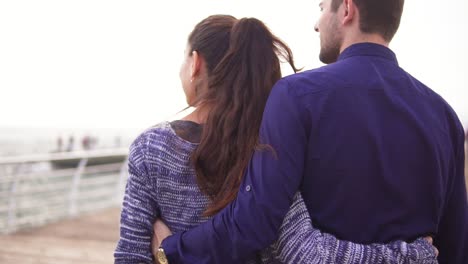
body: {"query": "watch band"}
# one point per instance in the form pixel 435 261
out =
pixel 161 256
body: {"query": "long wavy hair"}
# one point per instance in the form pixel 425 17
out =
pixel 243 63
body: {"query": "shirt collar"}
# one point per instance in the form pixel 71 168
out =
pixel 368 49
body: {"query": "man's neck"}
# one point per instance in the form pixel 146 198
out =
pixel 364 38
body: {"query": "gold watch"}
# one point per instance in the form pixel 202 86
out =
pixel 161 256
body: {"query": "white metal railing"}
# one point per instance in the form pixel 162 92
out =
pixel 32 197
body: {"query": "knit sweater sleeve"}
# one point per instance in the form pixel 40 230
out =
pixel 139 209
pixel 300 242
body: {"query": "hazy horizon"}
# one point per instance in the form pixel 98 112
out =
pixel 115 64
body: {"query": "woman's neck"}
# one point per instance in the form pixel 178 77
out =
pixel 199 115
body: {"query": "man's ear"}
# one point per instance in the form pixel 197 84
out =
pixel 349 11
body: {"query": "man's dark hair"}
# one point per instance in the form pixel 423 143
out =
pixel 377 16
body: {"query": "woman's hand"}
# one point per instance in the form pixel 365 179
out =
pixel 430 240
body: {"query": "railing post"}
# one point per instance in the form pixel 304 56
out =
pixel 12 204
pixel 122 181
pixel 72 209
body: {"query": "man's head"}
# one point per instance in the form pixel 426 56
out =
pixel 344 22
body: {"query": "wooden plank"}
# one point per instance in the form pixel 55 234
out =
pixel 87 239
pixel 85 250
pixel 8 258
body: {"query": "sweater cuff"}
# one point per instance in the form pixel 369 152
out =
pixel 169 244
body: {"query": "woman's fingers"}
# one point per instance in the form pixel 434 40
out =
pixel 431 241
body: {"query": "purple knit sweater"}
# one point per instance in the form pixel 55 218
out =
pixel 162 184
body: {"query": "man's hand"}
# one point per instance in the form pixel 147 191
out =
pixel 160 232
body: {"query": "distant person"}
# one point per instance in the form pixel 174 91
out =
pixel 117 142
pixel 71 144
pixel 376 154
pixel 93 142
pixel 185 171
pixel 86 142
pixel 59 144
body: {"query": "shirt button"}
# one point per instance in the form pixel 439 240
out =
pixel 248 188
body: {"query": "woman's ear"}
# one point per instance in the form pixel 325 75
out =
pixel 196 64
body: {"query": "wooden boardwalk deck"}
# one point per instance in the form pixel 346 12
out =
pixel 87 239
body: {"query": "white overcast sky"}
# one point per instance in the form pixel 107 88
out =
pixel 115 64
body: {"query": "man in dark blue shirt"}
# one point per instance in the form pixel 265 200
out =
pixel 377 155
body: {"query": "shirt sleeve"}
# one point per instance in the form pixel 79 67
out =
pixel 452 236
pixel 251 222
pixel 299 242
pixel 139 210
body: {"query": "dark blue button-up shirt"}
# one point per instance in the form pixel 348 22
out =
pixel 377 155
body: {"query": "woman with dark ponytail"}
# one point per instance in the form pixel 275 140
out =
pixel 184 171
pixel 234 100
